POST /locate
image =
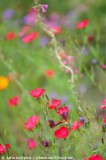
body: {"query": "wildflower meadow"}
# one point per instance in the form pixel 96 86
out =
pixel 52 80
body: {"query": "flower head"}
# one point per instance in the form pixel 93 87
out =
pixel 44 7
pixel 103 66
pixel 4 148
pixel 103 106
pixel 95 157
pixel 31 123
pixel 104 120
pixel 54 104
pixel 62 132
pixel 46 143
pixel 51 123
pixel 3 82
pixel 10 36
pixel 30 37
pixel 63 111
pixel 8 14
pixel 49 73
pixel 76 125
pixel 38 92
pixel 82 24
pixel 56 29
pixel 14 101
pixel 32 144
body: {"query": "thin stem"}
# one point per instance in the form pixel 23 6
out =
pixel 45 28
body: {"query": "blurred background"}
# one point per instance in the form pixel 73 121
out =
pixel 31 65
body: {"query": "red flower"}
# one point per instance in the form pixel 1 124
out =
pixel 104 120
pixel 95 157
pixel 49 73
pixel 10 35
pixel 56 30
pixel 30 37
pixel 103 106
pixel 13 101
pixel 38 92
pixel 104 101
pixel 54 104
pixel 4 148
pixel 82 24
pixel 76 125
pixel 32 144
pixel 7 146
pixel 32 122
pixel 63 111
pixel 62 132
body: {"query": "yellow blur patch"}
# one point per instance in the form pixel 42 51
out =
pixel 3 82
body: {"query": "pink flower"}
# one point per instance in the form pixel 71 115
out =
pixel 103 106
pixel 63 111
pixel 103 66
pixel 14 101
pixel 104 120
pixel 62 132
pixel 104 101
pixel 30 37
pixel 95 157
pixel 31 123
pixel 56 29
pixel 38 92
pixel 54 104
pixel 44 7
pixel 82 24
pixel 4 148
pixel 76 125
pixel 32 144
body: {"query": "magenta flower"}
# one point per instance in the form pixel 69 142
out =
pixel 38 92
pixel 44 7
pixel 14 101
pixel 32 144
pixel 103 106
pixel 54 104
pixel 31 123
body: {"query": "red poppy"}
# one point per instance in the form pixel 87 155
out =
pixel 63 111
pixel 54 104
pixel 49 73
pixel 95 157
pixel 14 101
pixel 76 125
pixel 38 92
pixel 32 144
pixel 62 132
pixel 30 37
pixel 82 24
pixel 10 35
pixel 4 148
pixel 31 123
